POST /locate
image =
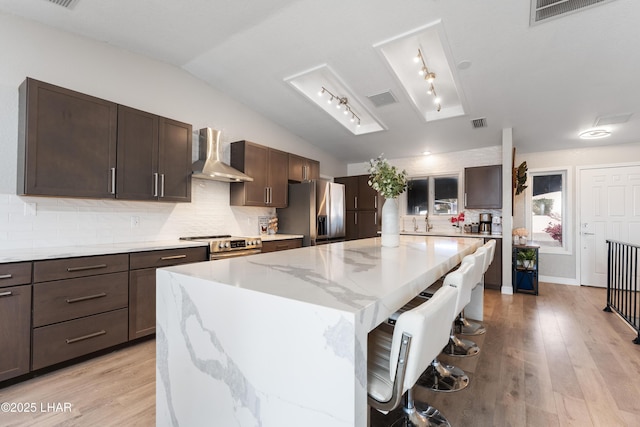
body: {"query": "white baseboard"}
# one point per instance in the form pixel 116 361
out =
pixel 559 280
pixel 507 290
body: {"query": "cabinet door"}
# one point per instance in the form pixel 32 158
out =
pixel 296 168
pixel 483 187
pixel 67 144
pixel 137 154
pixel 15 331
pixel 174 166
pixel 367 196
pixel 278 178
pixel 253 160
pixel 142 302
pixel 313 169
pixel 367 224
pixel 351 225
pixel 350 191
pixel 493 275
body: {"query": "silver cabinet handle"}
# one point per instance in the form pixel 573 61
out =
pixel 465 200
pixel 375 202
pixel 6 294
pixel 155 185
pixel 85 337
pixel 161 185
pixel 88 297
pixel 375 219
pixel 166 258
pixel 266 195
pixel 112 172
pixel 355 218
pixel 6 276
pixel 355 202
pixel 588 234
pixel 86 267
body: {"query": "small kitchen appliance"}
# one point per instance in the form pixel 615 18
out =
pixel 485 223
pixel 226 246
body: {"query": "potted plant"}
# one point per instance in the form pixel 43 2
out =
pixel 528 258
pixel 389 182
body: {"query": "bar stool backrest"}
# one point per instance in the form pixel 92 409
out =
pixel 428 325
pixel 478 257
pixel 490 246
pixel 463 279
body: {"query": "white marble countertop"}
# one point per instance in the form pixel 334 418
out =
pixel 272 339
pixel 34 254
pixel 355 276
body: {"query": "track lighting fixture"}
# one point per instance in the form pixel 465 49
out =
pixel 429 77
pixel 342 102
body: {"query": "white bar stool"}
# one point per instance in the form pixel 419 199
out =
pixel 469 327
pixel 397 356
pixel 460 347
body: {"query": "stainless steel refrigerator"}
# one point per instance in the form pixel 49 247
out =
pixel 316 210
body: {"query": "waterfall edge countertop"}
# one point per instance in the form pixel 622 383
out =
pixel 276 338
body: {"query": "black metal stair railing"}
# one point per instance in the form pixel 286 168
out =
pixel 622 283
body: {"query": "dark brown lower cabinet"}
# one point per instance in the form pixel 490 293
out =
pixel 67 340
pixel 15 331
pixel 493 275
pixel 142 284
pixel 142 303
pixel 281 245
pixel 361 224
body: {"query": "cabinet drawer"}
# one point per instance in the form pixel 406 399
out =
pixel 281 245
pixel 72 298
pixel 167 257
pixel 18 273
pixel 63 341
pixel 69 268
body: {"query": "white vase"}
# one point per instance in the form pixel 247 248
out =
pixel 390 223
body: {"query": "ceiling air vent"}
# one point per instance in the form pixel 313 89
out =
pixel 69 4
pixel 479 123
pixel 384 98
pixel 542 10
pixel 612 120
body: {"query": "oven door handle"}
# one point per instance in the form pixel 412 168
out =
pixel 233 254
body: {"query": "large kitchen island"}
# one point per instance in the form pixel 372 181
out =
pixel 280 339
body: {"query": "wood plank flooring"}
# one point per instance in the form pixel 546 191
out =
pixel 555 359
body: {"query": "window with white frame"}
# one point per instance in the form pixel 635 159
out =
pixel 437 195
pixel 548 216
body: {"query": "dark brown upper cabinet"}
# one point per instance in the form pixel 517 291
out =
pixel 483 187
pixel 66 144
pixel 76 145
pixel 154 157
pixel 269 169
pixel 303 169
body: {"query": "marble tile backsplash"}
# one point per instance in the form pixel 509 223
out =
pixel 28 222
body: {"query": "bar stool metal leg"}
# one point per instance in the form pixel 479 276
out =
pixel 460 347
pixel 443 378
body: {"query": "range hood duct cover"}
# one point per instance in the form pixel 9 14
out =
pixel 210 165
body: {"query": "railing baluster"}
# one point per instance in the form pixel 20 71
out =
pixel 622 283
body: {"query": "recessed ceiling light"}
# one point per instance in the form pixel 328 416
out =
pixel 464 65
pixel 595 133
pixel 426 153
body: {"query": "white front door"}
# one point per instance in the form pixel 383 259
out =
pixel 609 209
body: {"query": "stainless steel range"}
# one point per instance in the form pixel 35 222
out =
pixel 226 246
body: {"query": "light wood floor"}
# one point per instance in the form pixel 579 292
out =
pixel 555 359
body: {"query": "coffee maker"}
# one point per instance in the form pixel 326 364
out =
pixel 485 223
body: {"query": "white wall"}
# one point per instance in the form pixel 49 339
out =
pixel 98 69
pixel 563 268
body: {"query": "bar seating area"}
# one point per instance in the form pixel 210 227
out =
pixel 437 376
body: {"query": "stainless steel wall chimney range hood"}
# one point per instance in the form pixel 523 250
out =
pixel 210 165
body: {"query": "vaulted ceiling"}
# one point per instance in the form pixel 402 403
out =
pixel 547 81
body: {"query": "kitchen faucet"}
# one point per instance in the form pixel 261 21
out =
pixel 428 225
